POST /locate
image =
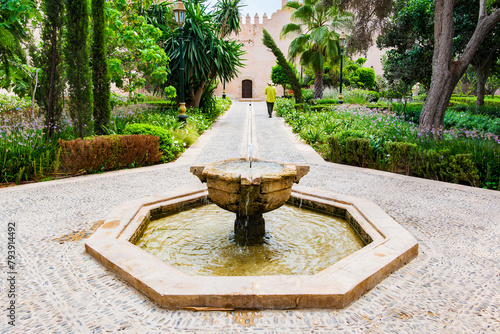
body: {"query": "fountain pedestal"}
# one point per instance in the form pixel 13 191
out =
pixel 249 230
pixel 249 192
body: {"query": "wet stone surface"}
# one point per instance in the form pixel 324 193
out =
pixel 453 286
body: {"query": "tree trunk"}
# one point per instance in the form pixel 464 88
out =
pixel 445 72
pixel 318 85
pixel 197 95
pixel 481 83
pixel 443 83
pixel 432 117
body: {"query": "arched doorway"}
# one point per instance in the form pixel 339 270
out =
pixel 246 87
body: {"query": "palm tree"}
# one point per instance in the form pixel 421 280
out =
pixel 228 15
pixel 316 27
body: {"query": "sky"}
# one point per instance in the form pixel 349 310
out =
pixel 258 6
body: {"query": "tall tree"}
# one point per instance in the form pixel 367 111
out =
pixel 100 76
pixel 370 16
pixel 15 15
pixel 317 28
pixel 134 57
pixel 207 56
pixel 484 60
pixel 446 72
pixel 228 16
pixel 409 36
pixel 78 67
pixel 51 86
pixel 268 41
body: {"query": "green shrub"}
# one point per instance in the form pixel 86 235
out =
pixel 390 94
pixel 321 107
pixel 400 156
pixel 366 77
pixel 360 96
pixel 350 147
pixel 484 110
pixel 169 148
pixel 300 106
pixel 162 106
pixel 373 96
pixel 464 120
pixel 327 101
pixel 307 95
pixel 442 165
pixel 465 157
pixel 411 112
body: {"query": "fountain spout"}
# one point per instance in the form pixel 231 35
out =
pixel 249 192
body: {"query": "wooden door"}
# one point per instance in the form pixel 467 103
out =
pixel 246 86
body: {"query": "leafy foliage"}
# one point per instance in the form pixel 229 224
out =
pixel 170 150
pixel 134 58
pixel 15 16
pixel 410 36
pixel 100 74
pixel 76 53
pixel 207 56
pixel 278 76
pixel 369 20
pixel 363 138
pixel 51 89
pixel 316 27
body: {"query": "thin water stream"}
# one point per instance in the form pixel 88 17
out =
pixel 250 148
pixel 240 167
pixel 298 242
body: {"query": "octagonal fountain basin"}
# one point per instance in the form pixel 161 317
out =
pixel 249 188
pixel 298 241
pixel 387 247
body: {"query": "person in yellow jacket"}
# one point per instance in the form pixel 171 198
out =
pixel 270 97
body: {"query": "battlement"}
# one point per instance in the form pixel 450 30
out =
pixel 247 20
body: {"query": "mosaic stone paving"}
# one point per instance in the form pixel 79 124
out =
pixel 453 286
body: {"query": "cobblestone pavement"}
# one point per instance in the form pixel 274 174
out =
pixel 453 286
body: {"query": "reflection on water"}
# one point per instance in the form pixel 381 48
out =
pixel 299 242
pixel 242 166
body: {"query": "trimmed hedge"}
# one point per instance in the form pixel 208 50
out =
pixel 108 153
pixel 432 164
pixel 404 158
pixel 170 150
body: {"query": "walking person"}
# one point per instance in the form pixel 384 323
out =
pixel 270 97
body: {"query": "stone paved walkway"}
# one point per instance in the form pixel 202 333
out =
pixel 453 286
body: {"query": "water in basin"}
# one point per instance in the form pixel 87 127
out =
pixel 298 241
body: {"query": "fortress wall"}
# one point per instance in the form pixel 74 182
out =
pixel 259 60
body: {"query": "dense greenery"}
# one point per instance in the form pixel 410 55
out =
pixel 76 54
pixel 50 61
pixel 26 153
pixel 208 54
pixel 134 57
pixel 357 76
pixel 168 148
pixel 15 15
pixel 360 137
pixel 100 74
pixel 317 28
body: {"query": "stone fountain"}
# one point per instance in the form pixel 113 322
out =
pixel 249 188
